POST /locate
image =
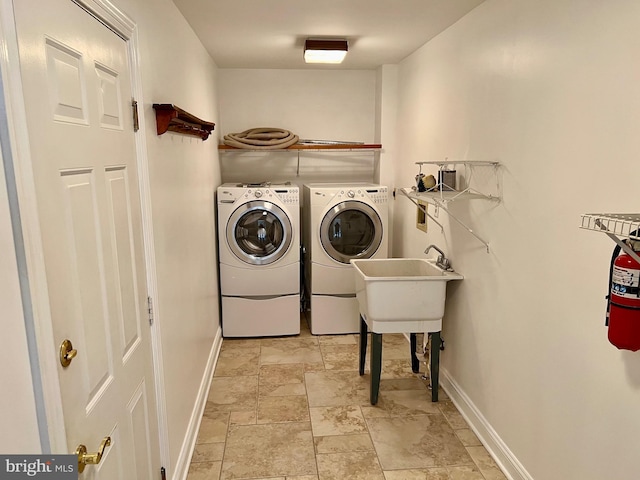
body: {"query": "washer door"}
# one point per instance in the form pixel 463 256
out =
pixel 259 232
pixel 349 230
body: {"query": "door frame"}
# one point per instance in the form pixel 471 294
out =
pixel 37 314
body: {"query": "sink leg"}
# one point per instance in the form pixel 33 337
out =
pixel 435 364
pixel 376 365
pixel 363 344
pixel 415 364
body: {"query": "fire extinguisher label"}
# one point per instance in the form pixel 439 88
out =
pixel 625 282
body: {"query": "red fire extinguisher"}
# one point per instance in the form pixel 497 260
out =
pixel 623 308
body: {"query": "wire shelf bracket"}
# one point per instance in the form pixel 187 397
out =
pixel 414 197
pixel 440 195
pixel 619 227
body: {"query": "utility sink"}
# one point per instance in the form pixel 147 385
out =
pixel 402 294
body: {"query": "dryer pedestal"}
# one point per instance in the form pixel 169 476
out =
pixel 261 316
pixel 341 222
pixel 334 315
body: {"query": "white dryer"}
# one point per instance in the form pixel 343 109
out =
pixel 341 222
pixel 259 253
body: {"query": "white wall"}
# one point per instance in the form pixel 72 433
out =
pixel 184 173
pixel 314 104
pixel 18 421
pixel 386 128
pixel 551 90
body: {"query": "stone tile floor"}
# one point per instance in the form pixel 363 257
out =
pixel 295 408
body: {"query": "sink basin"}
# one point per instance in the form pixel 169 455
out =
pixel 402 294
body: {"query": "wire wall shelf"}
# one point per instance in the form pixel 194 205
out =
pixel 445 197
pixel 620 224
pixel 447 162
pixel 619 227
pixel 468 180
pixel 469 186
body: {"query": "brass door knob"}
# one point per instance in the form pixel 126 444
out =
pixel 85 458
pixel 67 353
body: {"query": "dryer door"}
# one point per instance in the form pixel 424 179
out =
pixel 349 230
pixel 259 232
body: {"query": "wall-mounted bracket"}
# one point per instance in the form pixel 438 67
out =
pixel 421 205
pixel 415 196
pixel 174 119
pixel 465 185
pixel 619 227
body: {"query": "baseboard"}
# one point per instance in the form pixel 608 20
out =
pixel 496 447
pixel 189 444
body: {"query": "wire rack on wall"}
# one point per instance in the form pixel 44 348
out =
pixel 467 171
pixel 625 225
pixel 473 180
pixel 619 227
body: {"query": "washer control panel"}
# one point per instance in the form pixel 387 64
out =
pixel 378 195
pixel 288 196
pixel 285 194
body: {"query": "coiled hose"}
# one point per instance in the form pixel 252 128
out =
pixel 264 138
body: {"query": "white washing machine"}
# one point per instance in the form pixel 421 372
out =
pixel 259 253
pixel 340 222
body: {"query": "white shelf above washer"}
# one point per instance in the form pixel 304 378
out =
pixel 310 147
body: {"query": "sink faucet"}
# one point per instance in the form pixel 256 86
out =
pixel 442 261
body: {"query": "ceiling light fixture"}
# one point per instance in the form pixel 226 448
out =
pixel 324 50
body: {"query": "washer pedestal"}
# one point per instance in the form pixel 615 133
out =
pixel 261 316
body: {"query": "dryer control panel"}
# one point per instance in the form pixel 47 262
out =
pixel 378 195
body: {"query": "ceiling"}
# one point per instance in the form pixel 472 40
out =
pixel 270 33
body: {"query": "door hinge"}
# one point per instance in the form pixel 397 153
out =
pixel 150 309
pixel 163 473
pixel 136 123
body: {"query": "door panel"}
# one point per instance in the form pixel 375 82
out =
pixel 67 90
pixel 123 245
pixel 111 465
pixel 87 281
pixel 139 422
pixel 109 99
pixel 77 90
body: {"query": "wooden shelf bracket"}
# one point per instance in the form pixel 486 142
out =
pixel 172 118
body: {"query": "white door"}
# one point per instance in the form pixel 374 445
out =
pixel 77 90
